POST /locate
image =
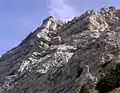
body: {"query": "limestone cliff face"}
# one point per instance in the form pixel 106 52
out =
pixel 60 57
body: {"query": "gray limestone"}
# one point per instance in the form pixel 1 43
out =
pixel 60 57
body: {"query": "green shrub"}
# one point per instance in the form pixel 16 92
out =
pixel 84 89
pixel 110 81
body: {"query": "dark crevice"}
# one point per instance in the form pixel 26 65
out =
pixel 105 64
pixel 79 71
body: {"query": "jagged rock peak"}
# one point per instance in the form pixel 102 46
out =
pixel 49 18
pixel 108 9
pixel 110 14
pixel 51 23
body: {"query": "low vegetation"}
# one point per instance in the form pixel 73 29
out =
pixel 84 89
pixel 110 81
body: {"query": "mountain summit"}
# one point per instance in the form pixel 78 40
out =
pixel 61 57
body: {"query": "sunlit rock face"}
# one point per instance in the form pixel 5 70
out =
pixel 60 57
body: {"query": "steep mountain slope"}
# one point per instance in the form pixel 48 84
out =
pixel 60 57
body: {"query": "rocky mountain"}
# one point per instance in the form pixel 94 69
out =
pixel 60 57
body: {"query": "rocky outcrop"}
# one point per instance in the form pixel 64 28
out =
pixel 60 57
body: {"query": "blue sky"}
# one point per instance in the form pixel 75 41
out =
pixel 19 17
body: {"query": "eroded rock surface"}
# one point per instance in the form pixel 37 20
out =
pixel 60 57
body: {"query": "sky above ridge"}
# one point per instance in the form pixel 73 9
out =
pixel 20 17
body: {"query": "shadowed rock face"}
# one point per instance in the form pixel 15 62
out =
pixel 60 57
